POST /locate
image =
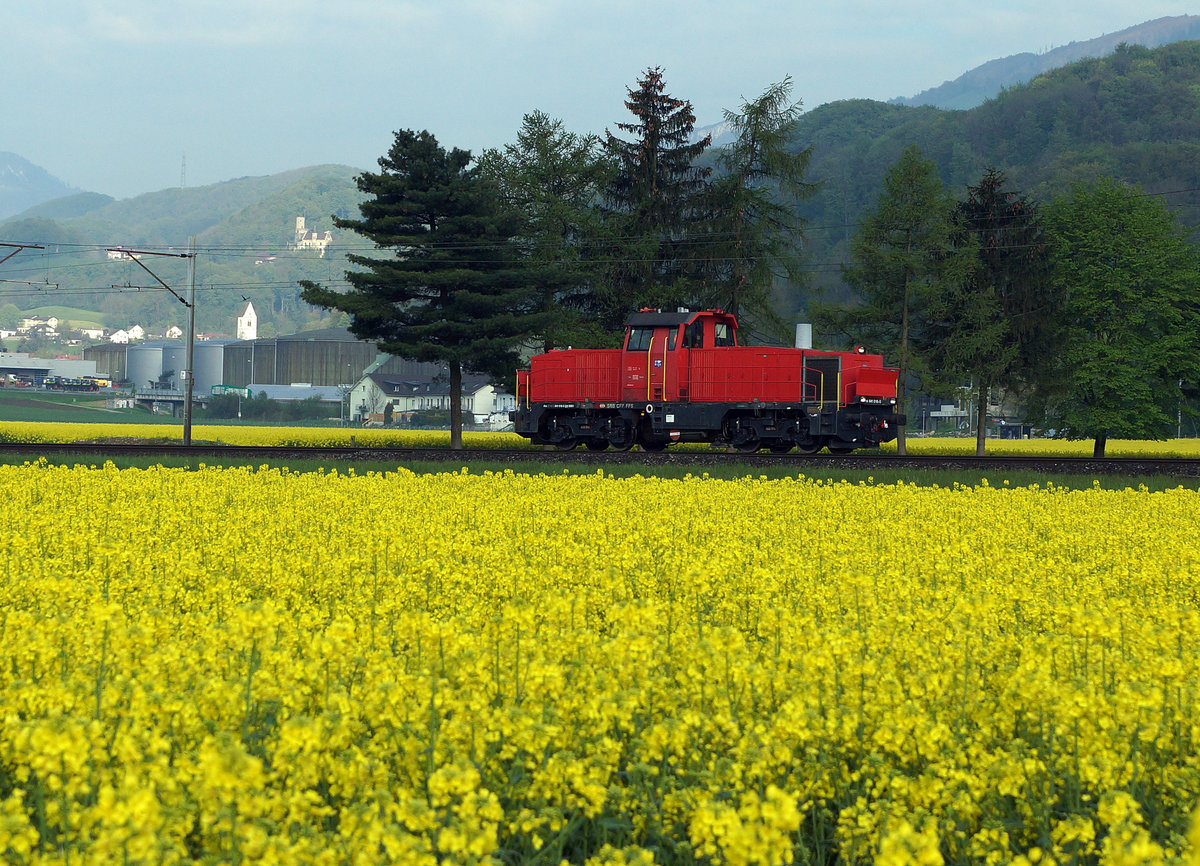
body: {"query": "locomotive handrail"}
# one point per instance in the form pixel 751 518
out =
pixel 649 349
pixel 804 368
pixel 528 385
pixel 650 368
pixel 820 386
pixel 666 345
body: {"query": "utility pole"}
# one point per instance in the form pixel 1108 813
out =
pixel 191 338
pixel 190 303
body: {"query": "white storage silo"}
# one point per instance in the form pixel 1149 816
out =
pixel 144 365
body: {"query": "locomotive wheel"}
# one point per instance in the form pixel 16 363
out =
pixel 621 438
pixel 841 448
pixel 808 447
pixel 566 444
pixel 646 439
pixel 780 447
pixel 743 439
pixel 596 445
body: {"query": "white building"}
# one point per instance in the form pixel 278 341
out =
pixel 482 403
pixel 307 239
pixel 247 324
pixel 49 324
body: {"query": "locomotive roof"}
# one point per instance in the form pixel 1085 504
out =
pixel 652 318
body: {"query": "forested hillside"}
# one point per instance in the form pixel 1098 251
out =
pixel 1134 115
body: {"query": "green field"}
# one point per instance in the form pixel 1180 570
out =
pixel 76 317
pixel 31 404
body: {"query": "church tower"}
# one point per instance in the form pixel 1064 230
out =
pixel 247 324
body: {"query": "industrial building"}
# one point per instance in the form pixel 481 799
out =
pixel 328 357
pixel 26 368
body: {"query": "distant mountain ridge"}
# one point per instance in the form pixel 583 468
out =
pixel 974 87
pixel 24 185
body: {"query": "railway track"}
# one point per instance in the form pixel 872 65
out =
pixel 1127 466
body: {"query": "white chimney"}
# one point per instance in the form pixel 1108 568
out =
pixel 803 335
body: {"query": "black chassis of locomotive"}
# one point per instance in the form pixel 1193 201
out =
pixel 739 425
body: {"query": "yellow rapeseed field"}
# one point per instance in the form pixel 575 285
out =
pixel 263 666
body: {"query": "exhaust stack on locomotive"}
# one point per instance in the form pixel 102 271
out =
pixel 682 377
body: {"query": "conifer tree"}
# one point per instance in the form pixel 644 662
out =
pixel 757 236
pixel 449 287
pixel 550 179
pixel 653 204
pixel 997 327
pixel 903 260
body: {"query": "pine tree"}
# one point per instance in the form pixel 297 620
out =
pixel 551 179
pixel 451 288
pixel 998 324
pixel 653 204
pixel 903 259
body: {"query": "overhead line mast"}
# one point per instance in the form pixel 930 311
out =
pixel 190 303
pixel 19 247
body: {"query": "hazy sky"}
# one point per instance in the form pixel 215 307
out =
pixel 113 96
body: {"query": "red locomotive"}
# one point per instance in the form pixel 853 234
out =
pixel 682 377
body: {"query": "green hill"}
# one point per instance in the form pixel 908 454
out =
pixel 1134 115
pixel 242 227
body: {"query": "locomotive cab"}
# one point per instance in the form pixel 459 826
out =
pixel 683 376
pixel 656 360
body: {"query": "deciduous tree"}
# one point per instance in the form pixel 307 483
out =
pixel 1132 318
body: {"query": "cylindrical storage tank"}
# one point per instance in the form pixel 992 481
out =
pixel 143 365
pixel 208 357
pixel 174 358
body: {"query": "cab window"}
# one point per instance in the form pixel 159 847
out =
pixel 722 334
pixel 693 335
pixel 639 339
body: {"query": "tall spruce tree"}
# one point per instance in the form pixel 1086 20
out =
pixel 903 258
pixel 1132 315
pixel 653 204
pixel 451 288
pixel 998 325
pixel 758 236
pixel 551 179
